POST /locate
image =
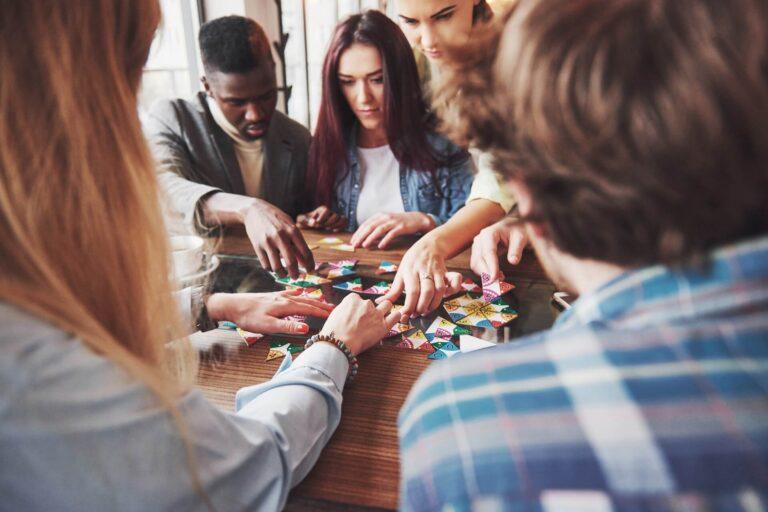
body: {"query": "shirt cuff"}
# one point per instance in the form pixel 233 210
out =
pixel 326 359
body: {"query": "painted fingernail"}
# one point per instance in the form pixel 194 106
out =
pixel 302 328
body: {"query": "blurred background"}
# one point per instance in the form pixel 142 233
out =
pixel 300 28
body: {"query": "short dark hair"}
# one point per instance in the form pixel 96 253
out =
pixel 233 44
pixel 639 128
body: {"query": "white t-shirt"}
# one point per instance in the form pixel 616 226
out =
pixel 379 183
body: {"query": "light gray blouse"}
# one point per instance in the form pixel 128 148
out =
pixel 78 433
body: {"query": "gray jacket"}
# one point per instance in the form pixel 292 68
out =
pixel 195 157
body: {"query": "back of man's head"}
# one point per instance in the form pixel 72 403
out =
pixel 233 44
pixel 640 128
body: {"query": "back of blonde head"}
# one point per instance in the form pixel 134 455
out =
pixel 82 242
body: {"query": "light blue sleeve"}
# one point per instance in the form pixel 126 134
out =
pixel 79 433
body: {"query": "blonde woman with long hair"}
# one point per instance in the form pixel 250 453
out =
pixel 96 412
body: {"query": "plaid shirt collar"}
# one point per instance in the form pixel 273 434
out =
pixel 736 279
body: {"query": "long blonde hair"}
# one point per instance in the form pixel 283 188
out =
pixel 82 240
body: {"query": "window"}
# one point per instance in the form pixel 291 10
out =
pixel 173 66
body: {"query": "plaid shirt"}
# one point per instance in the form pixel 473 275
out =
pixel 651 393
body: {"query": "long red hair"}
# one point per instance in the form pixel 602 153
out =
pixel 407 117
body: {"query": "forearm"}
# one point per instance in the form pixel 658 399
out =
pixel 227 209
pixel 458 232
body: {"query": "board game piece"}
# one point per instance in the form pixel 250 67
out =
pixel 338 268
pixel 442 328
pixel 355 285
pixel 399 327
pixel 470 310
pixel 444 350
pixel 303 281
pixel 278 349
pixel 470 286
pixel 249 337
pixel 344 247
pixel 494 290
pixel 330 240
pixel 415 341
pixel 470 343
pixel 379 288
pixel 226 324
pixel 385 267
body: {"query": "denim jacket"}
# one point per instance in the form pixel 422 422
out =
pixel 416 187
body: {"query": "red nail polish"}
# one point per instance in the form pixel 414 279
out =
pixel 303 328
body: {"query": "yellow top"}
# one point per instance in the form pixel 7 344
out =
pixel 486 184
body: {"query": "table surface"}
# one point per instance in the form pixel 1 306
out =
pixel 359 469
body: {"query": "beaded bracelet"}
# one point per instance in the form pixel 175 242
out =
pixel 330 338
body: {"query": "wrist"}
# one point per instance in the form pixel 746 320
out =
pixel 331 339
pixel 427 223
pixel 222 306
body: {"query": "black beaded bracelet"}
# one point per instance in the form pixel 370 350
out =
pixel 354 366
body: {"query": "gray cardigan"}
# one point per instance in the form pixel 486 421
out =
pixel 78 433
pixel 195 157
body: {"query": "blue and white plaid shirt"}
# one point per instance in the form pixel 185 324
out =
pixel 651 393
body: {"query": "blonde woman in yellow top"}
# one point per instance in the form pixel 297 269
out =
pixel 430 26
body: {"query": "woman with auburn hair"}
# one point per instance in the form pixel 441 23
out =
pixel 433 28
pixel 96 409
pixel 376 165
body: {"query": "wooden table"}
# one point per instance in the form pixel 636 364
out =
pixel 359 469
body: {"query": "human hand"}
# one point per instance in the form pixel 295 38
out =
pixel 505 233
pixel 359 323
pixel 265 313
pixel 274 238
pixel 322 217
pixel 422 276
pixel 387 226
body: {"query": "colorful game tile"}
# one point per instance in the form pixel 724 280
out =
pixel 470 344
pixel 303 281
pixel 443 350
pixel 279 349
pixel 344 247
pixel 227 325
pixel 385 267
pixel 330 240
pixel 399 327
pixel 416 341
pixel 470 286
pixel 379 288
pixel 249 337
pixel 338 268
pixel 494 290
pixel 355 285
pixel 442 328
pixel 471 310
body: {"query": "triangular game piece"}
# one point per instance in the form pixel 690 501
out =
pixel 495 290
pixel 249 337
pixel 344 247
pixel 416 339
pixel 379 288
pixel 471 286
pixel 355 285
pixel 331 240
pixel 386 267
pixel 470 343
pixel 303 281
pixel 274 354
